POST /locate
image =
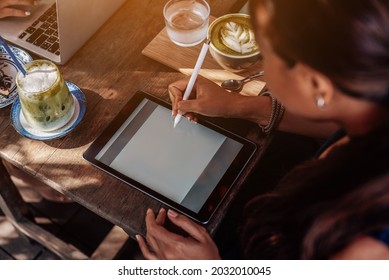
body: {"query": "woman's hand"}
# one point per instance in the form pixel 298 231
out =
pixel 8 9
pixel 167 245
pixel 207 98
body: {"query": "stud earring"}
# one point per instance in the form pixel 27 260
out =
pixel 320 102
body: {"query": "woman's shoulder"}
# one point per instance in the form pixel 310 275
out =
pixel 364 248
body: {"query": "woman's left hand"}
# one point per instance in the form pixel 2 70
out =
pixel 168 245
pixel 13 8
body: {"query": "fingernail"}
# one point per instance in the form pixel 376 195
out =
pixel 172 213
pixel 27 13
pixel 161 210
pixel 137 236
pixel 149 211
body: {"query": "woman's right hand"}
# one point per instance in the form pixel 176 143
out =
pixel 207 98
pixel 7 8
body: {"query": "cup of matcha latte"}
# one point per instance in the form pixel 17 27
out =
pixel 45 99
pixel 233 43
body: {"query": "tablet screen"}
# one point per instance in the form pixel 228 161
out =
pixel 183 164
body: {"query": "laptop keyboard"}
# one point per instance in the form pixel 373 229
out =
pixel 44 31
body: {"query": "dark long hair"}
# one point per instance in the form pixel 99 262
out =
pixel 346 40
pixel 321 206
pixel 324 204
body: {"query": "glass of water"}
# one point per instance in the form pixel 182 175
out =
pixel 186 21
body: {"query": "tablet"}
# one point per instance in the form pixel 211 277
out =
pixel 189 168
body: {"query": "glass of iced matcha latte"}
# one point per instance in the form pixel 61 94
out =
pixel 45 99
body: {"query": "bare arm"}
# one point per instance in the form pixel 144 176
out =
pixel 211 100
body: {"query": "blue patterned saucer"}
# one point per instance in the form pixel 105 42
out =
pixel 8 71
pixel 22 126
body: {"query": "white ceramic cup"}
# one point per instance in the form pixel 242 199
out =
pixel 233 43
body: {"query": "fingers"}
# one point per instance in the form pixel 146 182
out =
pixel 191 117
pixel 151 226
pixel 163 244
pixel 160 240
pixel 144 249
pixel 176 90
pixel 161 217
pixel 196 231
pixel 12 12
pixel 192 105
pixel 156 232
pixel 188 108
pixel 142 243
pixel 7 11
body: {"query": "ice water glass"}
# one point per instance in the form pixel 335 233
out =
pixel 186 21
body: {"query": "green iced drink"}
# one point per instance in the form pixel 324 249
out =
pixel 44 97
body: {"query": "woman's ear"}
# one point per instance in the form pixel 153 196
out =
pixel 319 86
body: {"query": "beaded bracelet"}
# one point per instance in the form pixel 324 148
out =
pixel 277 112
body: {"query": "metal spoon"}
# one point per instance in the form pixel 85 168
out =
pixel 236 85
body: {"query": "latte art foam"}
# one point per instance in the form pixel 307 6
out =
pixel 234 35
pixel 238 38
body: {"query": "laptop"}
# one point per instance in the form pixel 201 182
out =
pixel 56 29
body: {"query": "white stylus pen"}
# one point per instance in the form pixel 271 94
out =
pixel 193 78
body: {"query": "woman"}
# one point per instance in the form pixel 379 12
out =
pixel 327 62
pixel 15 8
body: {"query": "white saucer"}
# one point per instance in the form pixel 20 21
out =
pixel 8 71
pixel 24 128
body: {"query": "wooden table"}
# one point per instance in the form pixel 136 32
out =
pixel 109 69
